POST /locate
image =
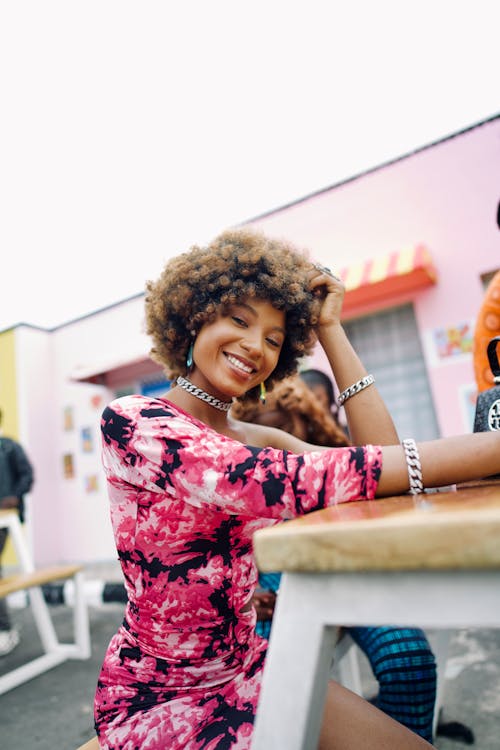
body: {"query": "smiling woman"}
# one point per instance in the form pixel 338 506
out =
pixel 189 484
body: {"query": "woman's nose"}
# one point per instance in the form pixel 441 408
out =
pixel 252 345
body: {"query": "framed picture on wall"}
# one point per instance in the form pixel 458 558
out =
pixel 68 466
pixel 68 421
pixel 87 442
pixel 468 398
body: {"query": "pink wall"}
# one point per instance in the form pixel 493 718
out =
pixel 445 197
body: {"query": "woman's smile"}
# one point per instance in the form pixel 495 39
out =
pixel 242 366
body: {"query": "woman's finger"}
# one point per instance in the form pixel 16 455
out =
pixel 326 271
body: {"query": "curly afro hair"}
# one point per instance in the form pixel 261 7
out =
pixel 197 285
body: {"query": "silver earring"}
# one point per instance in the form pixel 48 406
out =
pixel 189 358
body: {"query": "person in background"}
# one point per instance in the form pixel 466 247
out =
pixel 16 479
pixel 321 385
pixel 401 659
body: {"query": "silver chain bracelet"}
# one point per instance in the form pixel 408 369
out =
pixel 414 466
pixel 360 385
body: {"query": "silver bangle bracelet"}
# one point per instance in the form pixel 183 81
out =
pixel 360 385
pixel 414 466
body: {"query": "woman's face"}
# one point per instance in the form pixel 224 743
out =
pixel 238 350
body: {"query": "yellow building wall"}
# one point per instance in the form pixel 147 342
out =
pixel 8 405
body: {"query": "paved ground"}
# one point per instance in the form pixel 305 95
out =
pixel 54 710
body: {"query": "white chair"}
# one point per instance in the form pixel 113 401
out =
pixel 29 579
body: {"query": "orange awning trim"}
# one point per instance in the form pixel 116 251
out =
pixel 395 274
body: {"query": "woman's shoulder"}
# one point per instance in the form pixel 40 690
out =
pixel 129 403
pixel 136 406
pixel 138 412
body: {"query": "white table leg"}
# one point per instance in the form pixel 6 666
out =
pixel 295 677
pixel 303 637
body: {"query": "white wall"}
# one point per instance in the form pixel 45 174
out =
pixel 67 522
pixel 111 336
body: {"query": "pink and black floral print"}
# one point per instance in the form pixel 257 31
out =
pixel 184 670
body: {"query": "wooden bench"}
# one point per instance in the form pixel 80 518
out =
pixel 31 580
pixel 40 577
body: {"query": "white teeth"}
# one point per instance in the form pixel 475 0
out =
pixel 238 364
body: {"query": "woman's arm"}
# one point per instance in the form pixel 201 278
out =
pixel 263 436
pixel 367 416
pixel 446 461
pixel 151 445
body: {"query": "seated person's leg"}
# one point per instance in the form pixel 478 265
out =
pixel 405 668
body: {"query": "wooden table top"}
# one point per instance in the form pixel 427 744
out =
pixel 440 530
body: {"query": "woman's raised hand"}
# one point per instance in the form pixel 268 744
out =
pixel 330 290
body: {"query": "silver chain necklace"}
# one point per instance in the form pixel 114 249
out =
pixel 203 395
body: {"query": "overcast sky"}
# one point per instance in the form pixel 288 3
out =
pixel 130 131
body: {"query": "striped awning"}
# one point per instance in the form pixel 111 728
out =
pixel 384 277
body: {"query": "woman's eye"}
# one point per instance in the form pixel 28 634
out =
pixel 274 343
pixel 238 321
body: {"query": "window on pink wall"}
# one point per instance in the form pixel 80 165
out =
pixel 155 386
pixel 388 342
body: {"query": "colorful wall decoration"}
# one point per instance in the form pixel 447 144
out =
pixel 453 340
pixel 68 466
pixel 87 441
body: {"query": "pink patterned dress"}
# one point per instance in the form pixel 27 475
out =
pixel 184 669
